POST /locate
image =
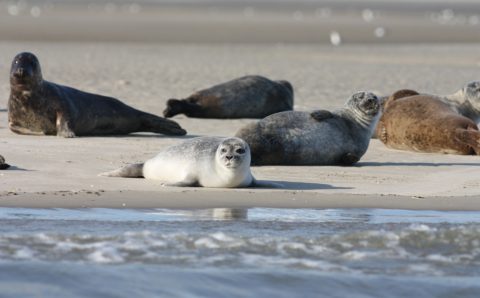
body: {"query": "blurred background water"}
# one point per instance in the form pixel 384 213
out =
pixel 235 253
pixel 235 21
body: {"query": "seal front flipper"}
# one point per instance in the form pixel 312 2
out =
pixel 321 115
pixel 349 159
pixel 63 127
pixel 185 183
pixel 470 137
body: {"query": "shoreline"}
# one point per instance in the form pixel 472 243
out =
pixel 201 198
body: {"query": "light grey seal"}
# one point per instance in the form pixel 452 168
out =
pixel 202 161
pixel 465 101
pixel 245 97
pixel 3 165
pixel 39 107
pixel 321 137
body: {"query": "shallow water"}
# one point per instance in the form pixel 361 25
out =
pixel 214 253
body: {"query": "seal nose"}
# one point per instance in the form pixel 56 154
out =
pixel 19 72
pixel 229 157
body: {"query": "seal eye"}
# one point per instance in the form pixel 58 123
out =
pixel 223 150
pixel 240 151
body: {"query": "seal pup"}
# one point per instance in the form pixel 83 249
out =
pixel 202 161
pixel 3 165
pixel 340 137
pixel 39 107
pixel 425 123
pixel 245 97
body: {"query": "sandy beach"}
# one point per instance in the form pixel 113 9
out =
pixel 50 172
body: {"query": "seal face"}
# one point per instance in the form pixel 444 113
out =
pixel 202 161
pixel 321 137
pixel 467 101
pixel 425 123
pixel 245 97
pixel 40 107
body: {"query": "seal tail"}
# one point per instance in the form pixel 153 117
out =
pixel 174 107
pixel 161 125
pixel 130 171
pixel 470 137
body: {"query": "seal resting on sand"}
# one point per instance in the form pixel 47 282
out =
pixel 38 107
pixel 321 137
pixel 245 97
pixel 425 123
pixel 202 161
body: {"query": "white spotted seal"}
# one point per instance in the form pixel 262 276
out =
pixel 426 123
pixel 340 137
pixel 40 107
pixel 202 161
pixel 3 165
pixel 245 97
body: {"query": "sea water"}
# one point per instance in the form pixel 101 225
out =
pixel 238 253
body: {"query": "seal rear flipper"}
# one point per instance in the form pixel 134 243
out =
pixel 161 125
pixel 470 137
pixel 321 115
pixel 349 159
pixel 130 171
pixel 3 165
pixel 397 95
pixel 174 107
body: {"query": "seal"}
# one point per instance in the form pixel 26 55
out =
pixel 201 161
pixel 340 137
pixel 3 165
pixel 425 123
pixel 39 107
pixel 466 101
pixel 245 97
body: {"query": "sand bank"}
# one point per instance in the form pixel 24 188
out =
pixel 55 172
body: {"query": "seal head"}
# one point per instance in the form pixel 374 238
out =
pixel 25 72
pixel 471 93
pixel 365 107
pixel 233 153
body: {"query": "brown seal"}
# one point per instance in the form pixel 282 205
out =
pixel 40 107
pixel 3 165
pixel 245 97
pixel 425 123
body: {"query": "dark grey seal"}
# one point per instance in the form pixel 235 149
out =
pixel 321 137
pixel 39 107
pixel 245 97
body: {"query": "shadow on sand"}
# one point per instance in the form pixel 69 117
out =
pixel 415 164
pixel 296 185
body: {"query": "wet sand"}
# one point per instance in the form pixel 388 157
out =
pixel 52 172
